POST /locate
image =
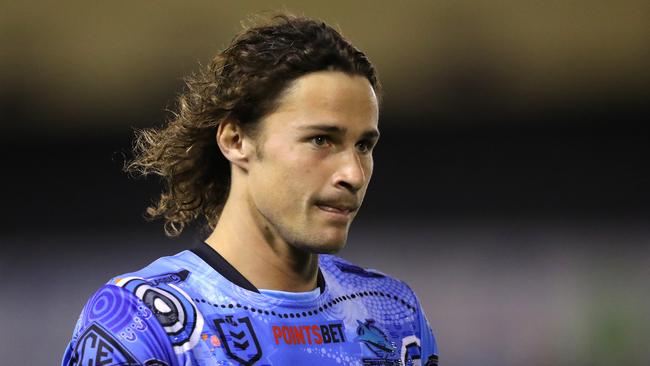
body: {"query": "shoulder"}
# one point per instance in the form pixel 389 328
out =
pixel 109 329
pixel 162 288
pixel 388 302
pixel 168 269
pixel 141 315
pixel 365 281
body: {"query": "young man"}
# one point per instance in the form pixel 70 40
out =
pixel 272 146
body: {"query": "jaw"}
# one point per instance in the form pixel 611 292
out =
pixel 309 230
pixel 323 236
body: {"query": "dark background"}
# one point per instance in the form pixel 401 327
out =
pixel 510 186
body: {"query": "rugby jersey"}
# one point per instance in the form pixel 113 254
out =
pixel 194 308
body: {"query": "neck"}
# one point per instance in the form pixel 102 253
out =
pixel 251 245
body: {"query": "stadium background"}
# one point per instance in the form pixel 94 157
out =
pixel 510 188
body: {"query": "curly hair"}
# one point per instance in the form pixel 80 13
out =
pixel 243 82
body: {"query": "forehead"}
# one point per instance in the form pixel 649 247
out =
pixel 331 97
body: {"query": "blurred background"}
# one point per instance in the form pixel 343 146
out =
pixel 510 187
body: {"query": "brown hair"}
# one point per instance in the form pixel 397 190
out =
pixel 243 82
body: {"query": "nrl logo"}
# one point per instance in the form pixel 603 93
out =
pixel 239 339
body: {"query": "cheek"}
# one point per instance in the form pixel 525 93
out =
pixel 292 171
pixel 289 178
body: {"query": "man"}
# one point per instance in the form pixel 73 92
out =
pixel 272 146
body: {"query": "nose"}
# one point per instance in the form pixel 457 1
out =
pixel 351 173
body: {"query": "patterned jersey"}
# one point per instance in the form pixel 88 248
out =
pixel 193 308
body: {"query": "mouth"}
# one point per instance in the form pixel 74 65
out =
pixel 337 210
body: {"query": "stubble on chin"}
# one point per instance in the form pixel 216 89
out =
pixel 316 244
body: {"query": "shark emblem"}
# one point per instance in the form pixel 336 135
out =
pixel 374 338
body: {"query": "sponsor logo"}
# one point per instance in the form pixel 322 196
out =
pixel 238 339
pixel 318 334
pixel 97 347
pixel 169 278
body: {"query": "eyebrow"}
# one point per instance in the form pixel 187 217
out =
pixel 370 134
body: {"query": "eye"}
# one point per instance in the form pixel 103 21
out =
pixel 365 146
pixel 319 140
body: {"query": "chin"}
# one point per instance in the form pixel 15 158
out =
pixel 322 247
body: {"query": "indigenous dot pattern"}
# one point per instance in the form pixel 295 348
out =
pixel 399 302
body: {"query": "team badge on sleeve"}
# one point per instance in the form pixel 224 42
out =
pixel 96 346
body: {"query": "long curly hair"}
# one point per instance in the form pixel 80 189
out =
pixel 243 82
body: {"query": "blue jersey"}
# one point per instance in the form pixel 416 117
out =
pixel 193 308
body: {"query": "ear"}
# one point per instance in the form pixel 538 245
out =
pixel 233 143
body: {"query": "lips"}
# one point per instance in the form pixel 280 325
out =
pixel 339 208
pixel 333 209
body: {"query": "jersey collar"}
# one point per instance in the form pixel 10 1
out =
pixel 221 265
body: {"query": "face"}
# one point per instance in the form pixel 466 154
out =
pixel 314 160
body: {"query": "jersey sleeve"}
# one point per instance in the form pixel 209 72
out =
pixel 428 341
pixel 428 344
pixel 117 328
